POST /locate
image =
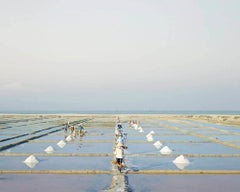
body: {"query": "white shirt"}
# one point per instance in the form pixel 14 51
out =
pixel 119 152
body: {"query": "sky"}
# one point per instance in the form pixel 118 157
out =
pixel 119 55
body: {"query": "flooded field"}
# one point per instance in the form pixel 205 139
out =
pixel 165 153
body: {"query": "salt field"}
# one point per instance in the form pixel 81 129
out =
pixel 165 153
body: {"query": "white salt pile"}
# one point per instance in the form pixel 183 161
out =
pixel 141 130
pixel 135 126
pixel 181 162
pixel 181 159
pixel 61 144
pixel 31 165
pixel 166 150
pixel 152 132
pixel 49 149
pixel 69 138
pixel 31 161
pixel 150 138
pixel 181 165
pixel 158 144
pixel 148 135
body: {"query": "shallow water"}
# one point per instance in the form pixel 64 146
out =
pixel 59 183
pixel 94 151
pixel 185 183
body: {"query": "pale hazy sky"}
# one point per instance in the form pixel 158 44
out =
pixel 119 55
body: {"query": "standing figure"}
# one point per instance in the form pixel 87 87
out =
pixel 66 127
pixel 81 130
pixel 119 152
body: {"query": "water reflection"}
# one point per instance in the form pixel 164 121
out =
pixel 31 164
pixel 181 165
pixel 119 183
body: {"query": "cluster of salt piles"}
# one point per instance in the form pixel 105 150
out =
pixel 181 162
pixel 32 161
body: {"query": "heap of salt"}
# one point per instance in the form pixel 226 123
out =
pixel 181 162
pixel 61 144
pixel 135 126
pixel 158 144
pixel 141 130
pixel 150 138
pixel 152 132
pixel 31 161
pixel 166 150
pixel 181 159
pixel 49 149
pixel 69 138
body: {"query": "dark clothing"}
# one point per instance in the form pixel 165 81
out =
pixel 119 160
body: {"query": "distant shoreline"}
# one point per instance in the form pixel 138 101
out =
pixel 137 112
pixel 217 118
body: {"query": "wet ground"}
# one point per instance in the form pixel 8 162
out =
pixel 84 163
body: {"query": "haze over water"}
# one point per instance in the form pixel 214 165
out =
pixel 119 55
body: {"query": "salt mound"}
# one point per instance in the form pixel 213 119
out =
pixel 152 132
pixel 181 159
pixel 181 165
pixel 49 149
pixel 31 165
pixel 150 138
pixel 158 144
pixel 148 135
pixel 141 130
pixel 135 126
pixel 181 162
pixel 31 159
pixel 69 138
pixel 61 144
pixel 166 150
